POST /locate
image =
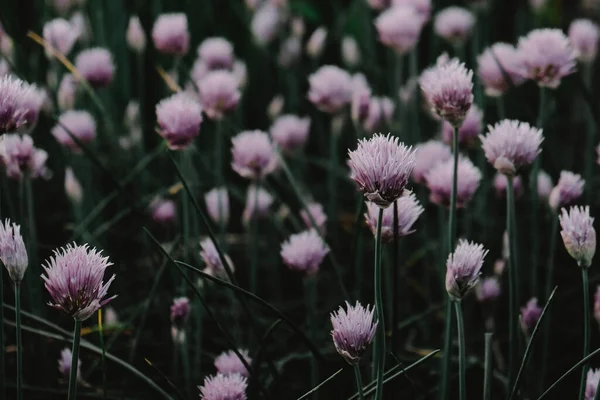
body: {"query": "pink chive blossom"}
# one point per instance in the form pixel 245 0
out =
pixel 290 132
pixel 463 269
pixel 170 34
pixel 265 23
pixel 316 212
pixel 597 305
pixel 304 251
pixel 428 155
pixel 34 102
pixel 548 56
pixel 591 384
pixel 578 234
pixel 510 145
pixel 217 205
pixel 212 261
pixel 67 92
pixel 253 154
pixel 468 131
pixel 80 124
pixel 73 188
pixel 454 24
pixel 353 331
pixel 64 364
pixel 350 52
pixel 544 185
pixel 179 117
pixel 219 93
pixel 228 363
pixel 584 35
pixel 135 35
pixel 316 42
pixel 381 167
pixel 500 183
pixel 488 290
pixel 21 159
pixel 74 280
pixel 361 99
pixel 216 52
pixel 409 209
pixel 530 314
pixel 15 99
pixel 399 28
pixel 499 67
pixel 568 189
pixel 378 4
pixel 330 89
pixel 96 66
pixel 258 203
pixel 381 110
pixel 224 387
pixel 180 312
pixel 82 26
pixel 12 250
pixel 163 211
pixel 59 36
pixel 423 7
pixel 448 89
pixel 439 182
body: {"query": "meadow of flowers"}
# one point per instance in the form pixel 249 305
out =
pixel 295 199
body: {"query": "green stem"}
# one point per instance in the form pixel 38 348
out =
pixel 487 376
pixel 310 292
pixel 500 107
pixel 358 248
pixel 398 77
pixel 2 351
pixel 513 283
pixel 74 361
pixel 393 287
pixel 220 176
pixel 101 335
pixel 452 224
pixel 586 328
pixel 359 383
pixel 379 344
pixel 331 179
pixel 185 208
pixel 32 250
pixel 185 358
pixel 462 361
pixel 19 343
pixel 415 99
pixel 254 241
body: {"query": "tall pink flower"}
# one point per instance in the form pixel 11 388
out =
pixel 454 24
pixel 170 34
pixel 499 67
pixel 399 28
pixel 330 88
pixel 219 93
pixel 584 35
pixel 179 117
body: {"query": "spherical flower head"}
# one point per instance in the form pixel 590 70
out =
pixel 381 110
pixel 219 93
pixel 170 34
pixel 439 181
pixel 13 253
pixel 544 185
pixel 135 35
pixel 316 212
pixel 350 51
pixel 454 24
pixel 578 234
pixel 584 35
pixel 14 97
pixel 510 145
pixel 163 211
pixel 530 314
pixel 210 256
pixel 253 154
pixel 265 23
pixel 20 158
pixel 468 131
pixel 228 363
pixel 258 202
pixel 179 117
pixel 216 52
pixel 217 205
pixel 488 290
pixel 591 384
pixel 96 66
pixel 316 42
pixel 330 88
pixel 448 89
pixel 224 387
pixel 80 124
pixel 568 189
pixel 501 182
pixel 399 28
pixel 381 167
pixel 353 331
pixel 361 98
pixel 463 269
pixel 548 56
pixel 67 92
pixel 428 155
pixel 74 280
pixel 59 36
pixel 64 364
pixel 499 67
pixel 304 251
pixel 423 7
pixel 409 210
pixel 73 188
pixel 290 132
pixel 180 311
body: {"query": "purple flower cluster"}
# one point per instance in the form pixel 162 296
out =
pixel 353 331
pixel 578 234
pixel 304 251
pixel 20 158
pixel 463 269
pixel 253 154
pixel 408 211
pixel 228 363
pixel 224 387
pixel 179 117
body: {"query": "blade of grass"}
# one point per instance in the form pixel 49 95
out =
pixel 316 388
pixel 166 378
